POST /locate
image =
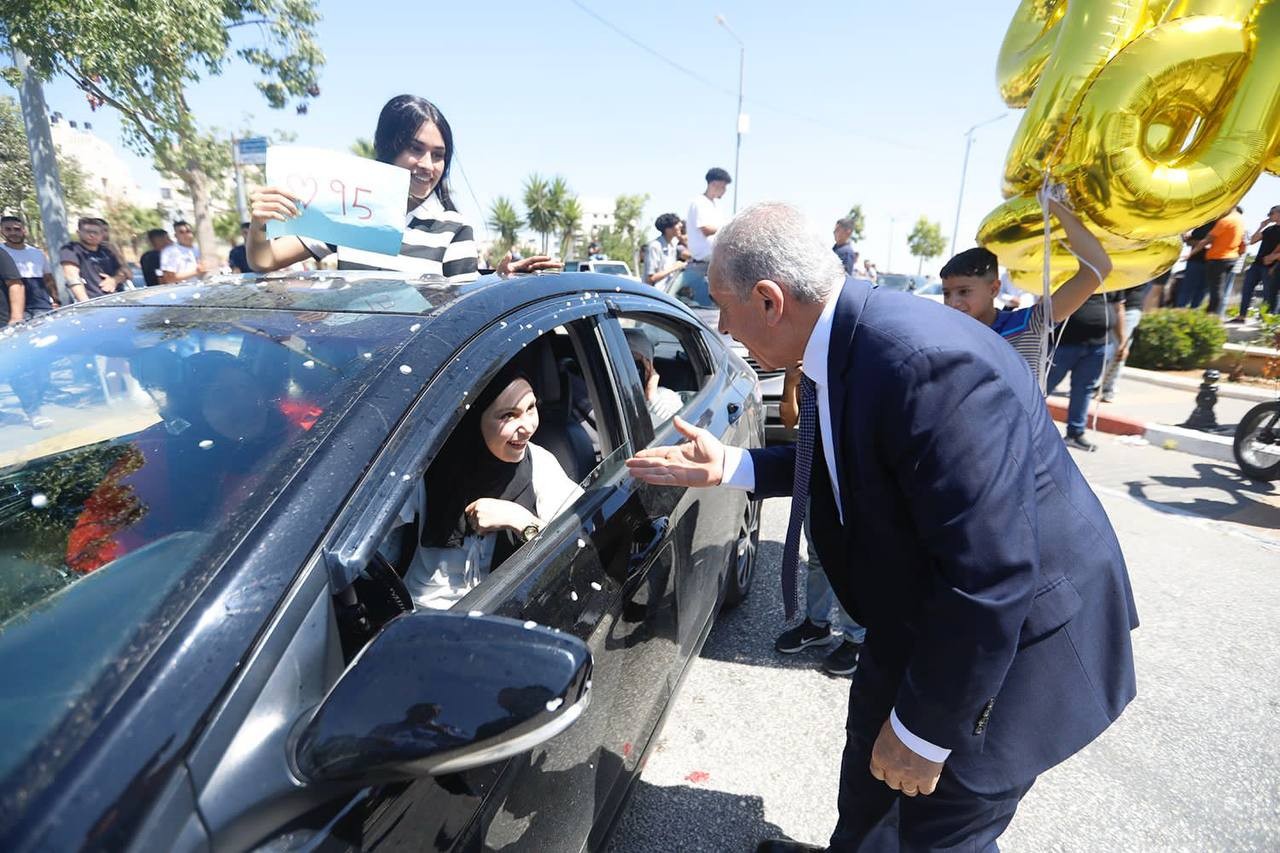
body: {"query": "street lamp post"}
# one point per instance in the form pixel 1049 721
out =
pixel 742 62
pixel 964 171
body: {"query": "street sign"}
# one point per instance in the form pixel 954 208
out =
pixel 251 151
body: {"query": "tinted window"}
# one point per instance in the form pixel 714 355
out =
pixel 137 446
pixel 668 362
pixel 691 290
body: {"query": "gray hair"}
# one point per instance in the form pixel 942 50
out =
pixel 771 240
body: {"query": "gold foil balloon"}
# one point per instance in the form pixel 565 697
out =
pixel 1157 116
pixel 1015 232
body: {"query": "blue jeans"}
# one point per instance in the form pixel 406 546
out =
pixel 1084 361
pixel 1193 285
pixel 823 607
pixel 1132 317
pixel 1258 274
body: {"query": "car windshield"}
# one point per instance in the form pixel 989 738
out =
pixel 933 288
pixel 692 290
pixel 893 281
pixel 610 269
pixel 137 447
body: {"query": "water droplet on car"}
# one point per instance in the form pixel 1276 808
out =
pixel 206 444
pixel 406 369
pixel 166 322
pixel 573 596
pixel 405 478
pixel 502 324
pixel 617 290
pixel 531 624
pixel 39 500
pixel 581 543
pixel 112 374
pixel 475 613
pixel 44 341
pixel 596 586
pixel 308 364
pixel 367 354
pixel 415 327
pixel 554 703
pixel 120 320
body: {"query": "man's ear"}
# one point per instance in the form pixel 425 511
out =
pixel 773 299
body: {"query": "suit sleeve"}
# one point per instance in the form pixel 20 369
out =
pixel 959 440
pixel 774 470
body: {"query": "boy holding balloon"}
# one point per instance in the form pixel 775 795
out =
pixel 970 283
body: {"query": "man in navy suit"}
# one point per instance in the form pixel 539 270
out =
pixel 952 523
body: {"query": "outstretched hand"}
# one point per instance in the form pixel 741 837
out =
pixel 697 462
pixel 533 263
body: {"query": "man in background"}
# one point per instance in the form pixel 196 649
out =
pixel 1222 247
pixel 180 261
pixel 1268 239
pixel 238 259
pixel 844 245
pixel 40 290
pixel 661 254
pixel 704 219
pixel 90 268
pixel 150 260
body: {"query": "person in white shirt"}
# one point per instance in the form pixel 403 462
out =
pixel 33 267
pixel 663 403
pixel 705 216
pixel 181 260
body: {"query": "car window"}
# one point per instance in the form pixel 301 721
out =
pixel 691 289
pixel 137 446
pixel 668 360
pixel 520 452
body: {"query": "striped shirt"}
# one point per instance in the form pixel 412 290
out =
pixel 436 242
pixel 1024 330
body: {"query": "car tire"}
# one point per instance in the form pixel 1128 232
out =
pixel 742 566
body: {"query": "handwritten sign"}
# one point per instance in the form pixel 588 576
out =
pixel 343 199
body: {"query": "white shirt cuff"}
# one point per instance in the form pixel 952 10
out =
pixel 739 471
pixel 919 746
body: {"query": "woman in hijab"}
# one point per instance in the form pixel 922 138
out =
pixel 490 490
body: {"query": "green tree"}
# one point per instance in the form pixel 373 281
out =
pixel 859 223
pixel 926 241
pixel 130 223
pixel 539 207
pixel 570 220
pixel 227 226
pixel 17 183
pixel 506 221
pixel 363 147
pixel 622 242
pixel 141 57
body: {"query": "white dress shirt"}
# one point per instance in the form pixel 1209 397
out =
pixel 739 473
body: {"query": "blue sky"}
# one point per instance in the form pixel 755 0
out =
pixel 848 102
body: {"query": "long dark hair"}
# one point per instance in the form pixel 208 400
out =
pixel 398 124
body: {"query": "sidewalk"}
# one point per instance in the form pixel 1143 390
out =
pixel 1152 407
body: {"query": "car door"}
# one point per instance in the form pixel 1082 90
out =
pixel 589 573
pixel 705 523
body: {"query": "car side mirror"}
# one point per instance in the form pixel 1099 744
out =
pixel 439 692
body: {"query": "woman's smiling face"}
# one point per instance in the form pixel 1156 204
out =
pixel 424 158
pixel 510 421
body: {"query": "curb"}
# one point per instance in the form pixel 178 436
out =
pixel 1217 447
pixel 1155 377
pixel 1193 441
pixel 1113 424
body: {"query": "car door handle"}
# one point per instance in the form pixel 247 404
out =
pixel 641 559
pixel 735 412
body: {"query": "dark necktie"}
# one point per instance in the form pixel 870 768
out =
pixel 805 438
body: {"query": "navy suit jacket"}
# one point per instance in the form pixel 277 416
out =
pixel 984 568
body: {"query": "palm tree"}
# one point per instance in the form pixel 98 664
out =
pixel 570 221
pixel 505 219
pixel 364 148
pixel 539 206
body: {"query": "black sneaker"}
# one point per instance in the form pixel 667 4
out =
pixel 843 660
pixel 1079 442
pixel 801 637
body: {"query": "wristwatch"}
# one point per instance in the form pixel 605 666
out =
pixel 530 530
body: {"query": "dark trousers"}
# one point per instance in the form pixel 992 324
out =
pixel 1191 289
pixel 877 819
pixel 1255 275
pixel 1216 274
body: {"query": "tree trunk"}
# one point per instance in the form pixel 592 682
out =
pixel 197 183
pixel 920 266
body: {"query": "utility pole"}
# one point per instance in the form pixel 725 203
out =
pixel 964 170
pixel 44 168
pixel 742 119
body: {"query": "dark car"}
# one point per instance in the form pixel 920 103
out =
pixel 694 294
pixel 205 635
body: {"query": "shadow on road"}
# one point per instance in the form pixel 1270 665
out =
pixel 684 818
pixel 746 635
pixel 1217 492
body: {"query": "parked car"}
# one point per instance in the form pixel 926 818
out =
pixel 901 281
pixel 609 267
pixel 206 639
pixel 693 294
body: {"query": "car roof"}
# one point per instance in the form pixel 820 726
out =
pixel 364 291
